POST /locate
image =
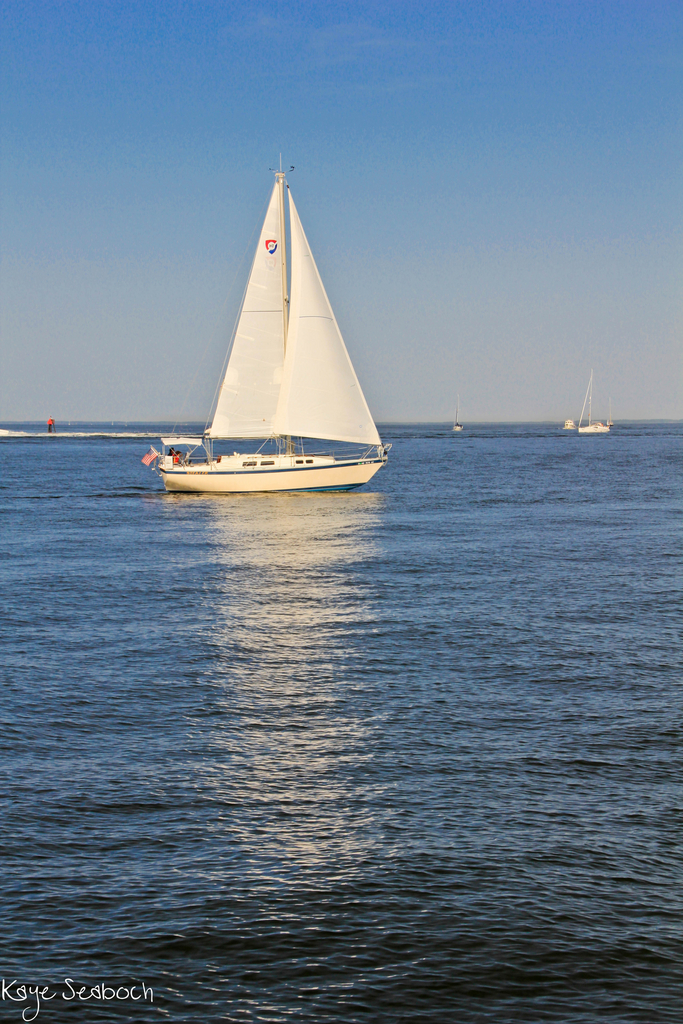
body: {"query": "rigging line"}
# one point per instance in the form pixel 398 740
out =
pixel 215 329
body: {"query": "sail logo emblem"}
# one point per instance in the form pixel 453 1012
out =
pixel 271 246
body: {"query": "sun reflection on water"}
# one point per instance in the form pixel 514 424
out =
pixel 292 622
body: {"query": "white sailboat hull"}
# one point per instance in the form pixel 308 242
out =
pixel 594 428
pixel 219 478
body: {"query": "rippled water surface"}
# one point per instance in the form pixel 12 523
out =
pixel 411 753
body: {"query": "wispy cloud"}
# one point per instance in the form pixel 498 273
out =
pixel 300 47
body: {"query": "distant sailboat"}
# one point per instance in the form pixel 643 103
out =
pixel 457 425
pixel 591 428
pixel 289 377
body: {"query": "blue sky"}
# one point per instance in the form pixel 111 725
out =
pixel 492 192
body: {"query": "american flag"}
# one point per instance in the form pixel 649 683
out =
pixel 151 455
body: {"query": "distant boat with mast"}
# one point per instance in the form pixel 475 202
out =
pixel 288 378
pixel 591 427
pixel 457 425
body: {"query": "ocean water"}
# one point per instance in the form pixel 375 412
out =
pixel 411 753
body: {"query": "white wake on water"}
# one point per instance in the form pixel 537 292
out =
pixel 78 433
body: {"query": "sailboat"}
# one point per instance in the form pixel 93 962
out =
pixel 457 425
pixel 591 428
pixel 288 379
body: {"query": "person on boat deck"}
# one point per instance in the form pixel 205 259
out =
pixel 176 455
pixel 51 429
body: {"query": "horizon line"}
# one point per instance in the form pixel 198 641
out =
pixel 386 423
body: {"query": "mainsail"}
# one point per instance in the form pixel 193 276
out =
pixel 249 393
pixel 306 386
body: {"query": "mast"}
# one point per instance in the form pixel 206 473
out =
pixel 588 390
pixel 280 178
pixel 590 401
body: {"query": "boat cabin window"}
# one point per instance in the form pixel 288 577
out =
pixel 299 461
pixel 249 463
pixel 271 463
pixel 309 460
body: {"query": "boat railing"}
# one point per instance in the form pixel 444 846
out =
pixel 201 455
pixel 352 454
